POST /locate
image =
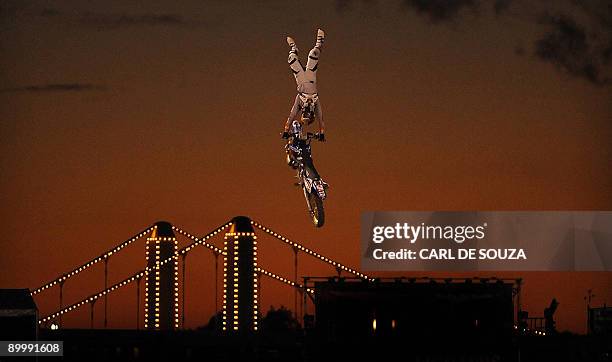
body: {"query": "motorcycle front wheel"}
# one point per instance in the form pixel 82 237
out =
pixel 315 208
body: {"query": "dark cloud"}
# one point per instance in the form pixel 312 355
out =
pixel 56 87
pixel 569 48
pixel 601 12
pixel 580 50
pixel 500 6
pixel 342 6
pixel 441 10
pixel 124 20
pixel 607 54
pixel 437 11
pixel 114 20
pixel 49 13
pixel 10 10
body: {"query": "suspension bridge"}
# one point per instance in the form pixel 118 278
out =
pixel 164 293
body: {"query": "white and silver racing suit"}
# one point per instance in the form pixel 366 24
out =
pixel 306 79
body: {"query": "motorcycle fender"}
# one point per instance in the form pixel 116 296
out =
pixel 308 184
pixel 319 189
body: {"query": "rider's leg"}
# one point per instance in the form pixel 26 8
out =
pixel 313 59
pixel 293 60
pixel 313 55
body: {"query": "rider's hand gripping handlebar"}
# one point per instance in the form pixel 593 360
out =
pixel 318 136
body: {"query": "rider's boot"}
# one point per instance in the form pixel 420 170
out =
pixel 320 38
pixel 291 43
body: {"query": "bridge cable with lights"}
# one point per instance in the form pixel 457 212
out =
pixel 241 274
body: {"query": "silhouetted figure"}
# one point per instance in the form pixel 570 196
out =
pixel 549 322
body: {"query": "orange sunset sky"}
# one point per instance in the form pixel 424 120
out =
pixel 115 115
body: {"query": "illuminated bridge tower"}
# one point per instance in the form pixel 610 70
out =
pixel 240 281
pixel 161 289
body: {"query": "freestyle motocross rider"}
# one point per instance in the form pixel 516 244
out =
pixel 306 79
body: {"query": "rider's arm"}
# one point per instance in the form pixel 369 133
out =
pixel 319 116
pixel 294 112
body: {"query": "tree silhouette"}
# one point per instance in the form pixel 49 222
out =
pixel 279 320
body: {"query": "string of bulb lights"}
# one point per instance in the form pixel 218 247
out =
pixel 112 288
pixel 196 241
pixel 284 280
pixel 140 274
pixel 93 261
pixel 201 241
pixel 300 247
pixel 231 269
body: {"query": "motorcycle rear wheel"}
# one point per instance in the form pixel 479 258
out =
pixel 315 208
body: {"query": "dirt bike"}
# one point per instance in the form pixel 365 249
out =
pixel 300 158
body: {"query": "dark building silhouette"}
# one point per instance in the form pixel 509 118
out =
pixel 417 310
pixel 18 315
pixel 423 320
pixel 161 289
pixel 600 321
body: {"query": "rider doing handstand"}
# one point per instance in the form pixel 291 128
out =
pixel 306 102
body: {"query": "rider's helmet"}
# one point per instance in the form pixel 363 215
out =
pixel 296 127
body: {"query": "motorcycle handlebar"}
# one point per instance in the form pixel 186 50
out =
pixel 313 135
pixel 309 135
